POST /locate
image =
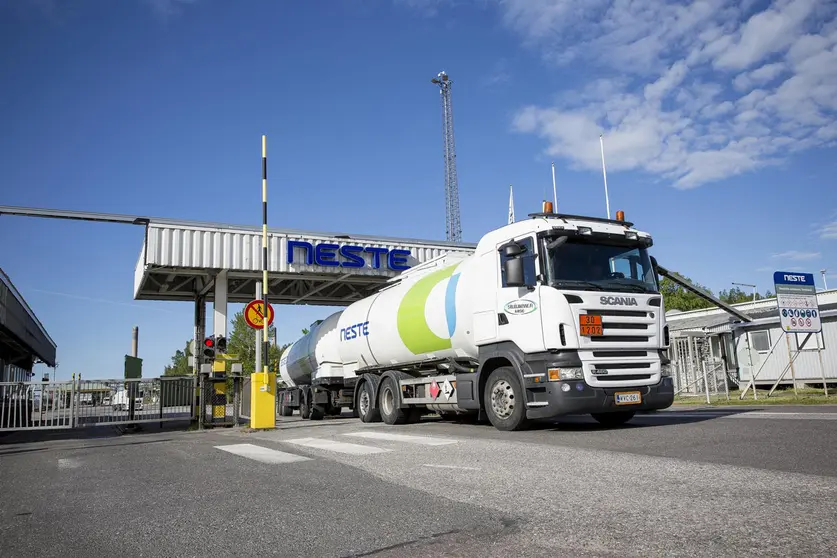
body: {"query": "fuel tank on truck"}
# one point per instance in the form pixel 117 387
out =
pixel 426 314
pixel 314 355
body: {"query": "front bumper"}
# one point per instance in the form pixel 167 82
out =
pixel 545 399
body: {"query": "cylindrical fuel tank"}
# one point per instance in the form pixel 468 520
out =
pixel 313 355
pixel 427 314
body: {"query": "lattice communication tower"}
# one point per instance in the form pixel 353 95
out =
pixel 453 226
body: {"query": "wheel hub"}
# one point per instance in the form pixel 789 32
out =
pixel 502 399
pixel 364 402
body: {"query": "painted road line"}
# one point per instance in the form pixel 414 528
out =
pixel 740 415
pixel 423 440
pixel 69 463
pixel 339 447
pixel 265 455
pixel 463 468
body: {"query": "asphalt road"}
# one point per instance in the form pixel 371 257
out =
pixel 740 482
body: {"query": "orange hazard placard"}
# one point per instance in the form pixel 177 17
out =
pixel 254 314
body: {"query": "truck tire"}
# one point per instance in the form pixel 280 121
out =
pixel 363 405
pixel 304 409
pixel 614 419
pixel 389 402
pixel 285 411
pixel 505 403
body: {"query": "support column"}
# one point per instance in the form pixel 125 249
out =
pixel 200 331
pixel 219 320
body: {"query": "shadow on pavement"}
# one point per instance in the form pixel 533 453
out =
pixel 89 433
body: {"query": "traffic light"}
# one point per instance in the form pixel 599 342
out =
pixel 221 344
pixel 209 348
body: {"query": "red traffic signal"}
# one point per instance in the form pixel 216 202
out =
pixel 209 347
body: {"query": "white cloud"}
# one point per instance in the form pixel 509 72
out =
pixel 701 92
pixel 796 255
pixel 829 231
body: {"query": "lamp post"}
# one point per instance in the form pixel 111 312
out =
pixel 824 284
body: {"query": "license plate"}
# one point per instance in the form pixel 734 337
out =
pixel 590 325
pixel 628 398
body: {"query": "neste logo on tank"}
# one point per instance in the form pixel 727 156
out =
pixel 326 254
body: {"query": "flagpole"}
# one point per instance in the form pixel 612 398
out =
pixel 604 173
pixel 554 190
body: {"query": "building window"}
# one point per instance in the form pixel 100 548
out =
pixel 760 341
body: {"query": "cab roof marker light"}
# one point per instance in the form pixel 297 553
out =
pixel 585 230
pixel 630 235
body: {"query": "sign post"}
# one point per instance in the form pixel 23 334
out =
pixel 799 311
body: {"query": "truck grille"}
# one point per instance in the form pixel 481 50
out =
pixel 635 362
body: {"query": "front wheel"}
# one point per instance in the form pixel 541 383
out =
pixel 614 419
pixel 505 403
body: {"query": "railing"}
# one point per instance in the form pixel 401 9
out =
pixel 82 403
pixel 121 401
pixel 36 405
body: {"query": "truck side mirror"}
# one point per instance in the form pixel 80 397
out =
pixel 656 268
pixel 513 266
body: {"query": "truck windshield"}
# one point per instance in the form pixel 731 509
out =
pixel 598 265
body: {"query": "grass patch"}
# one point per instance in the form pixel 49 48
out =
pixel 807 396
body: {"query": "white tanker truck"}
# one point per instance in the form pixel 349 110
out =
pixel 550 316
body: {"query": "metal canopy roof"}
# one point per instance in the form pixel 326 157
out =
pixel 22 335
pixel 181 259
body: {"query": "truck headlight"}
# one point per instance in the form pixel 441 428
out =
pixel 665 370
pixel 559 374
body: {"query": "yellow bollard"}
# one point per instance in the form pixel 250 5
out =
pixel 262 400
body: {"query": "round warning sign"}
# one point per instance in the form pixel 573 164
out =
pixel 254 314
pixel 793 322
pixel 808 322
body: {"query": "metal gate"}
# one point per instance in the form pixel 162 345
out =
pixel 82 403
pixel 36 405
pixel 694 372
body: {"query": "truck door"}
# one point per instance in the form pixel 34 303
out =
pixel 519 308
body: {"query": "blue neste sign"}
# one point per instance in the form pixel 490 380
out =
pixel 348 255
pixel 793 278
pixel 354 331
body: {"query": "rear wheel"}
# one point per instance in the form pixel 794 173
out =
pixel 614 419
pixel 285 411
pixel 504 401
pixel 304 409
pixel 389 403
pixel 363 405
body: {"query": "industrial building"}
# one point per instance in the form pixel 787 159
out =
pixel 23 339
pixel 760 346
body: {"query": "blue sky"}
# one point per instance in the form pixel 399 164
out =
pixel 718 120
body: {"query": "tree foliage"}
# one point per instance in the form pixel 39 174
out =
pixel 179 363
pixel 678 298
pixel 241 342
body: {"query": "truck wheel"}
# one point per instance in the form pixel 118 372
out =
pixel 389 401
pixel 304 409
pixel 363 405
pixel 504 401
pixel 317 412
pixel 614 419
pixel 285 411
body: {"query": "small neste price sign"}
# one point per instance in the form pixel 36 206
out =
pixel 796 294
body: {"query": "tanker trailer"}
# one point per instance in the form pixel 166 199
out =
pixel 550 316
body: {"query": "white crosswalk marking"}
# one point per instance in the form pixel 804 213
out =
pixel 332 445
pixel 407 438
pixel 265 455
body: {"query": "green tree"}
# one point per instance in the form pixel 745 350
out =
pixel 242 342
pixel 679 298
pixel 736 295
pixel 179 363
